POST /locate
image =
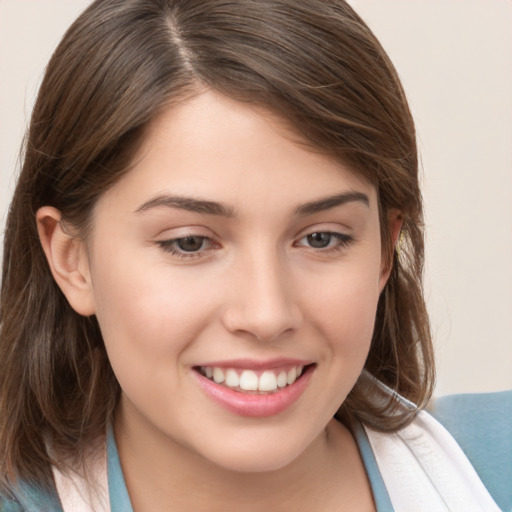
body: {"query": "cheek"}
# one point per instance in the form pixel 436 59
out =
pixel 147 315
pixel 345 305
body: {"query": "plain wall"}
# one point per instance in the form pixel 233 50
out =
pixel 455 60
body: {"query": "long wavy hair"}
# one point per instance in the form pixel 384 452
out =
pixel 312 62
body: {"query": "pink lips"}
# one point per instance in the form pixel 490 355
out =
pixel 255 405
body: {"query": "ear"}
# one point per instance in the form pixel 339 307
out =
pixel 395 220
pixel 68 260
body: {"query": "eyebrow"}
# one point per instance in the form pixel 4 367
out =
pixel 187 203
pixel 214 208
pixel 327 203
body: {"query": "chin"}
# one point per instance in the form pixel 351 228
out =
pixel 258 463
pixel 259 456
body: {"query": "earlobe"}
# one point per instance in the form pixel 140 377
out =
pixel 67 259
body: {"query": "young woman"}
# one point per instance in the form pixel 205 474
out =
pixel 211 290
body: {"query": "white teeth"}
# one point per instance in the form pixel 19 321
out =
pixel 248 380
pixel 218 375
pixel 281 379
pixel 268 381
pixel 232 379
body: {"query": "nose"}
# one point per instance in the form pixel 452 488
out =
pixel 263 303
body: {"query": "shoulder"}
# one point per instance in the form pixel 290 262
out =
pixel 482 426
pixel 7 505
pixel 29 499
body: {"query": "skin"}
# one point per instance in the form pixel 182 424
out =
pixel 256 288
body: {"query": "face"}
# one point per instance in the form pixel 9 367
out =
pixel 235 277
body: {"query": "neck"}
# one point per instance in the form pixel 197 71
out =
pixel 159 471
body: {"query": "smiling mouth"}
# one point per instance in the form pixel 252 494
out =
pixel 253 382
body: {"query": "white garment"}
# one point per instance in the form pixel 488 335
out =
pixel 78 496
pixel 425 470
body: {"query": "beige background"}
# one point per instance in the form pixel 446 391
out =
pixel 455 59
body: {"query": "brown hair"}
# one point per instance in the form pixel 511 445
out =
pixel 313 62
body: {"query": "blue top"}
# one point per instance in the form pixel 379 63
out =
pixel 482 426
pixel 480 423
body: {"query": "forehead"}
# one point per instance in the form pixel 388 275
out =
pixel 215 147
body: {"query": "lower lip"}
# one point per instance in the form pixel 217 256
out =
pixel 255 405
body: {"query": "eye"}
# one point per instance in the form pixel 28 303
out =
pixel 319 240
pixel 190 243
pixel 325 240
pixel 187 246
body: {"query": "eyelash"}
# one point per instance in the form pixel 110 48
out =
pixel 341 240
pixel 172 247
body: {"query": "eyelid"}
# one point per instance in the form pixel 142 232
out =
pixel 170 246
pixel 342 237
pixel 325 227
pixel 182 230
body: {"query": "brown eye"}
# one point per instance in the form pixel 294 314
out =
pixel 190 243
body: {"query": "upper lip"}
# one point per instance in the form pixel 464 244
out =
pixel 253 364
